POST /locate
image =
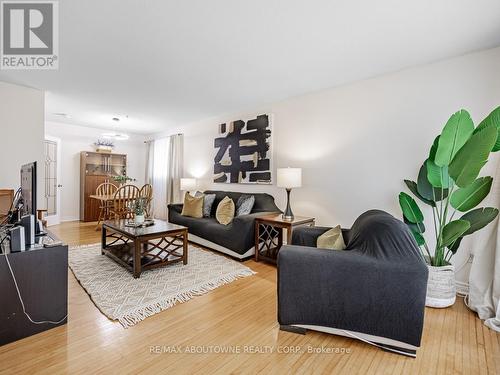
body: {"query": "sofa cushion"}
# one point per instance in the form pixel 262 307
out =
pixel 263 202
pixel 239 235
pixel 193 206
pixel 225 211
pixel 208 202
pixel 331 239
pixel 245 204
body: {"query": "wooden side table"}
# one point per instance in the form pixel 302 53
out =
pixel 269 234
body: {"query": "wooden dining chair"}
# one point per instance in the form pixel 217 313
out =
pixel 146 192
pixel 124 196
pixel 106 189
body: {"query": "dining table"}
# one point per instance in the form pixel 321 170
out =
pixel 105 199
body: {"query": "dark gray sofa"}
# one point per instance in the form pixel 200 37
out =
pixel 373 291
pixel 236 239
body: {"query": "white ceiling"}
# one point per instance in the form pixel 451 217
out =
pixel 169 62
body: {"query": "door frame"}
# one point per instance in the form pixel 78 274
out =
pixel 55 219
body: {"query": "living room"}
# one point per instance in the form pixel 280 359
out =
pixel 309 126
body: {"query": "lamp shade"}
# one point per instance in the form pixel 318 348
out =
pixel 188 184
pixel 289 177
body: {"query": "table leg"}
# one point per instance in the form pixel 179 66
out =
pixel 280 244
pixel 101 217
pixel 289 235
pixel 257 239
pixel 137 259
pixel 185 247
pixel 103 239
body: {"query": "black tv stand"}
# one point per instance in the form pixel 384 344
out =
pixel 42 277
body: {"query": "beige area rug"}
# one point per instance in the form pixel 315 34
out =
pixel 121 297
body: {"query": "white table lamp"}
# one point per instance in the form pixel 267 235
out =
pixel 188 184
pixel 289 178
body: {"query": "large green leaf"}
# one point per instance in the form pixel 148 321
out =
pixel 492 119
pixel 479 218
pixel 410 209
pixel 456 132
pixel 470 196
pixel 418 238
pixel 469 160
pixel 434 147
pixel 419 228
pixel 412 185
pixel 455 245
pixel 453 230
pixel 437 176
pixel 426 190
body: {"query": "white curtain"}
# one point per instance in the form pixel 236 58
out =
pixel 164 170
pixel 150 152
pixel 175 168
pixel 484 277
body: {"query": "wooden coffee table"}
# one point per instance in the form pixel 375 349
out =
pixel 139 249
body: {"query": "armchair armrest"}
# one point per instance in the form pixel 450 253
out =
pixel 177 207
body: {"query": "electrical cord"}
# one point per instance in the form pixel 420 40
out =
pixel 22 302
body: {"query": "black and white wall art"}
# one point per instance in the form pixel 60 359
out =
pixel 243 151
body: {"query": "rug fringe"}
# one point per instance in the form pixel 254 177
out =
pixel 77 247
pixel 132 318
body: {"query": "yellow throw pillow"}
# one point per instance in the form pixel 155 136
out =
pixel 225 211
pixel 331 239
pixel 193 206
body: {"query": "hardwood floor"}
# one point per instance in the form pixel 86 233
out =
pixel 238 316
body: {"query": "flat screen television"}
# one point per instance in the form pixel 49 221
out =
pixel 28 188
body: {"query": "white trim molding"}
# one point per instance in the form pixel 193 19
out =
pixel 224 250
pixel 378 341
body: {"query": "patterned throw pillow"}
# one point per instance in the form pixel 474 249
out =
pixel 208 202
pixel 245 204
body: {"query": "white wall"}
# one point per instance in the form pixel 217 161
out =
pixel 75 139
pixel 358 142
pixel 21 134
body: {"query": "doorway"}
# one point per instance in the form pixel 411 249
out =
pixel 52 178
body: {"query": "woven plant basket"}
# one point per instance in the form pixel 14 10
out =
pixel 441 289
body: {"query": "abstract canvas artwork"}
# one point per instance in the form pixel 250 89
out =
pixel 243 151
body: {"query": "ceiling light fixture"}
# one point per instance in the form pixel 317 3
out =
pixel 116 136
pixel 62 114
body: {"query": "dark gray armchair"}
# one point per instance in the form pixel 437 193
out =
pixel 373 291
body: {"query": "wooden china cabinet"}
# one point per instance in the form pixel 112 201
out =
pixel 96 168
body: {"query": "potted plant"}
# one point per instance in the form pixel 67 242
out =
pixel 104 145
pixel 449 183
pixel 138 207
pixel 121 179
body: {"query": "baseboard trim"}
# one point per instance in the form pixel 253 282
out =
pixel 70 218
